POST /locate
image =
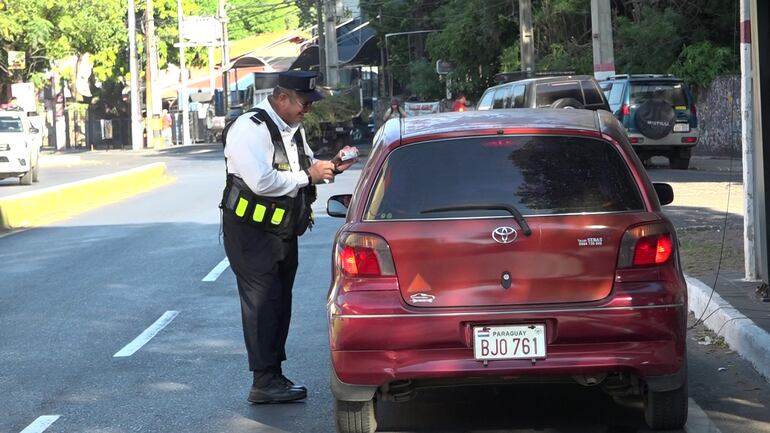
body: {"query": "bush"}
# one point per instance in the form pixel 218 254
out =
pixel 699 64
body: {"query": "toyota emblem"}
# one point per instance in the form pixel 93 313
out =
pixel 504 235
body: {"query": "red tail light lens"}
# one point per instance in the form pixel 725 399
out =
pixel 693 111
pixel 625 110
pixel 689 140
pixel 364 255
pixel 646 245
pixel 652 250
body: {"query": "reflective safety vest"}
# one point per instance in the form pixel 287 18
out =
pixel 284 216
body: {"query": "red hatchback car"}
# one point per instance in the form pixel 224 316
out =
pixel 488 247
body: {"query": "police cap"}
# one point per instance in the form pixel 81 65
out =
pixel 302 82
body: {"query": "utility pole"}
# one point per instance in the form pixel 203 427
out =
pixel 152 97
pixel 525 31
pixel 381 68
pixel 136 116
pixel 601 29
pixel 225 41
pixel 183 71
pixel 321 38
pixel 747 144
pixel 225 56
pixel 332 56
pixel 760 19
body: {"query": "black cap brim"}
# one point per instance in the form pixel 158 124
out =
pixel 311 96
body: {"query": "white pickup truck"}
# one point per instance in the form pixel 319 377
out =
pixel 19 151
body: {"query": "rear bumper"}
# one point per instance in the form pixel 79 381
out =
pixel 672 140
pixel 15 163
pixel 645 341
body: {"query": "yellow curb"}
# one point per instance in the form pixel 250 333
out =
pixel 43 206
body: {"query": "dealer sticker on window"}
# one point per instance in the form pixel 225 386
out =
pixel 509 342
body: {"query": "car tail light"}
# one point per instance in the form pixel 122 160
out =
pixel 625 110
pixel 646 245
pixel 693 111
pixel 689 140
pixel 364 255
pixel 636 140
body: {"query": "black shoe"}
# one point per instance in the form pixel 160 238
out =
pixel 291 384
pixel 275 391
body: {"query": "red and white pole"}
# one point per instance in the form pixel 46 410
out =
pixel 747 144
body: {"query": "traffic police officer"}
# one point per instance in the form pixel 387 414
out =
pixel 271 173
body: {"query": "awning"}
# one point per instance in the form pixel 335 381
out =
pixel 356 45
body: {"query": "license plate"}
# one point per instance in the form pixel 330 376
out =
pixel 509 342
pixel 681 127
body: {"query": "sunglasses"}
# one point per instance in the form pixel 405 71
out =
pixel 305 104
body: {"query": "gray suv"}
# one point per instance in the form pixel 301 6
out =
pixel 658 112
pixel 569 91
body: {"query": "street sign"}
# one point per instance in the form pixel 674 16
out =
pixel 201 31
pixel 443 67
pixel 16 60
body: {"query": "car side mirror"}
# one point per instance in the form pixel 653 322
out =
pixel 665 193
pixel 337 205
pixel 34 130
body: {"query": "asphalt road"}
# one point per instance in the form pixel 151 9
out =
pixel 75 294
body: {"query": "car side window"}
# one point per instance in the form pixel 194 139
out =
pixel 500 97
pixel 518 96
pixel 616 95
pixel 592 93
pixel 486 100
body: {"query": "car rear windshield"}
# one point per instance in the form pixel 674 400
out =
pixel 548 93
pixel 10 124
pixel 673 93
pixel 538 175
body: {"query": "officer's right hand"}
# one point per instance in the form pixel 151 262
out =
pixel 321 170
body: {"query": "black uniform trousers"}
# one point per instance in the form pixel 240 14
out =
pixel 265 266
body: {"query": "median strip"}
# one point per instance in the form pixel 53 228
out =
pixel 44 206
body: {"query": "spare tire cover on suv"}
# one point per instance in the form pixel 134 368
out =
pixel 655 118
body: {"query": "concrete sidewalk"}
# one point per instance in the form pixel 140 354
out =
pixel 743 321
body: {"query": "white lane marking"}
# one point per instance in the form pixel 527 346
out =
pixel 40 424
pixel 698 421
pixel 147 335
pixel 217 271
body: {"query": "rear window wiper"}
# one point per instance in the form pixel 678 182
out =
pixel 494 206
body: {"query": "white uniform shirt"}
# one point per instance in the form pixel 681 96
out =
pixel 249 152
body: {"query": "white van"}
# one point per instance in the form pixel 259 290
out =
pixel 19 152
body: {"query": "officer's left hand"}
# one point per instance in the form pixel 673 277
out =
pixel 344 165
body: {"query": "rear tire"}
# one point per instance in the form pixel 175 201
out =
pixel 666 410
pixel 678 163
pixel 355 416
pixel 27 178
pixel 36 173
pixel 679 159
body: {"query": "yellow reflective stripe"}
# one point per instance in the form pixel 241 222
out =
pixel 240 210
pixel 277 216
pixel 259 212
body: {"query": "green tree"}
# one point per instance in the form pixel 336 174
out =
pixel 701 63
pixel 650 45
pixel 472 35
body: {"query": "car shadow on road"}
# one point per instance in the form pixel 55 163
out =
pixel 566 408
